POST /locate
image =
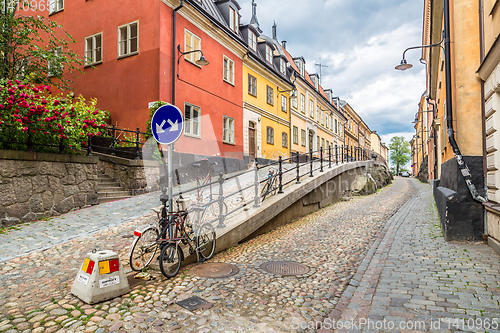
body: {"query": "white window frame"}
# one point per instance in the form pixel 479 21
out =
pixel 252 88
pixel 91 60
pixel 56 51
pixel 294 102
pixel 303 103
pixel 270 135
pixel 233 19
pixel 228 70
pixel 284 139
pixel 128 52
pixel 282 66
pixel 295 132
pixel 190 121
pixel 284 103
pixel 252 40
pixel 228 130
pixel 270 95
pixel 317 113
pixel 56 6
pixel 311 108
pixel 303 137
pixel 192 42
pixel 269 54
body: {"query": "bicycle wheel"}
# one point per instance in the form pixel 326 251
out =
pixel 205 241
pixel 143 249
pixel 274 186
pixel 170 260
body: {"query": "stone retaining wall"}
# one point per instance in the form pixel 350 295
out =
pixel 38 185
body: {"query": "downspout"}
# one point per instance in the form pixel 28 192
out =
pixel 483 102
pixel 449 109
pixel 174 49
pixel 434 136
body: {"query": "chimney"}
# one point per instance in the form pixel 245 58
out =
pixel 283 43
pixel 274 31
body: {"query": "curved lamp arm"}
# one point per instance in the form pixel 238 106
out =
pixel 404 65
pixel 202 61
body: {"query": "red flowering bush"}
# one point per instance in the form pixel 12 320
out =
pixel 32 115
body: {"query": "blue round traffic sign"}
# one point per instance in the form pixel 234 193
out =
pixel 167 124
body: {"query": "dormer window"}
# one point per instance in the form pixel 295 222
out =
pixel 300 65
pixel 233 19
pixel 269 54
pixel 252 40
pixel 282 66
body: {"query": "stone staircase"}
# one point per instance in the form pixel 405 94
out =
pixel 109 190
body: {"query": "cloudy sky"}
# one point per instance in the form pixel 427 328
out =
pixel 360 41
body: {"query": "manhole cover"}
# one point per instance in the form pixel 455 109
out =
pixel 192 303
pixel 214 270
pixel 288 268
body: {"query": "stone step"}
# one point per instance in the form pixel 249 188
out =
pixel 108 184
pixel 121 193
pixel 107 188
pixel 108 199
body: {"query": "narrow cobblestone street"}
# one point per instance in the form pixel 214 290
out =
pixel 354 273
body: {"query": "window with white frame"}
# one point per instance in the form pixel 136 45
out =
pixel 269 54
pixel 336 125
pixel 284 103
pixel 294 102
pixel 192 120
pixel 284 139
pixel 233 19
pixel 228 70
pixel 303 138
pixel 93 49
pixel 270 135
pixel 302 103
pixel 295 133
pixel 318 142
pixel 317 113
pixel 54 66
pixel 191 43
pixel 311 108
pixel 270 95
pixel 252 40
pixel 322 142
pixel 327 122
pixel 252 85
pixel 322 117
pixel 228 130
pixel 55 6
pixel 282 66
pixel 128 39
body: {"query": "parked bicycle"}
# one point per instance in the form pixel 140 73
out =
pixel 173 229
pixel 270 184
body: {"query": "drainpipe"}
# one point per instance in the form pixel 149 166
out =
pixel 434 135
pixel 449 109
pixel 174 47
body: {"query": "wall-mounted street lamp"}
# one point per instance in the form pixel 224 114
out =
pixel 293 90
pixel 202 61
pixel 404 65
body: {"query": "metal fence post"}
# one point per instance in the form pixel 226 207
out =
pixel 343 152
pixel 137 144
pixel 61 146
pixel 330 157
pixel 298 169
pixel 321 159
pixel 336 154
pixel 311 161
pixel 113 149
pixel 221 201
pixel 280 175
pixel 256 203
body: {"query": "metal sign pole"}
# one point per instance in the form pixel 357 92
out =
pixel 170 178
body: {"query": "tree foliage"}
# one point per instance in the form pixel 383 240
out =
pixel 34 49
pixel 400 152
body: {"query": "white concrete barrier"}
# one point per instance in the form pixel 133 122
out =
pixel 101 277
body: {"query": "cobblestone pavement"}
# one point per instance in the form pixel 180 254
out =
pixel 35 289
pixel 413 281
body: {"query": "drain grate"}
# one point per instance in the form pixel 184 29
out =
pixel 287 268
pixel 192 303
pixel 214 270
